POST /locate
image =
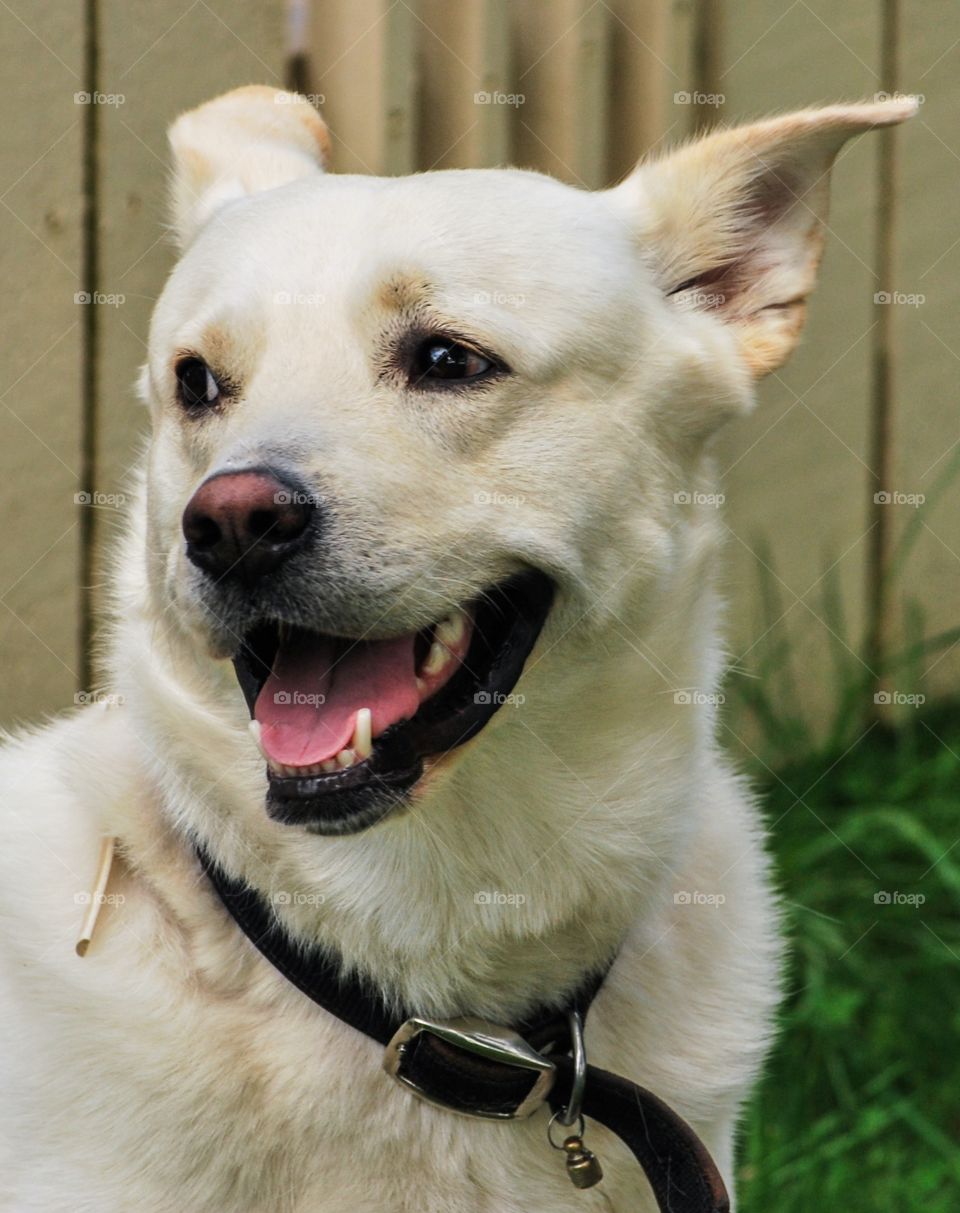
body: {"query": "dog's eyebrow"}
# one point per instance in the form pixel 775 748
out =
pixel 404 291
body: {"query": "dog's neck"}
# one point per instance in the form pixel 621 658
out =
pixel 527 860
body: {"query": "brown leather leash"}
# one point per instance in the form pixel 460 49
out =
pixel 492 1072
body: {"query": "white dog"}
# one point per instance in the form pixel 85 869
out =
pixel 421 457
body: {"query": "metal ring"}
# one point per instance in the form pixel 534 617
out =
pixel 571 1112
pixel 581 1129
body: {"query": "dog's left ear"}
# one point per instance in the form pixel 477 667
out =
pixel 734 221
pixel 248 140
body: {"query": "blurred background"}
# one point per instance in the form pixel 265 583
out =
pixel 843 533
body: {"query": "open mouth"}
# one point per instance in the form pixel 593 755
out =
pixel 344 725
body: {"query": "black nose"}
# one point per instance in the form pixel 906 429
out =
pixel 245 524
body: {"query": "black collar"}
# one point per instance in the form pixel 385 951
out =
pixel 681 1172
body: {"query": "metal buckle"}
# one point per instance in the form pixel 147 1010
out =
pixel 487 1040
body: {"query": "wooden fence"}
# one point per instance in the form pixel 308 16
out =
pixel 579 88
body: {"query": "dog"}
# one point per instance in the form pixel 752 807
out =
pixel 415 634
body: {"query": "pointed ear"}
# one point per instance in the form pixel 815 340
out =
pixel 247 140
pixel 735 221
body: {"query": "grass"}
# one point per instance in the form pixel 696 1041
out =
pixel 860 1106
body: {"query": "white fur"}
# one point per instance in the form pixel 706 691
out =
pixel 173 1068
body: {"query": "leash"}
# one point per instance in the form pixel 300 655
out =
pixel 493 1072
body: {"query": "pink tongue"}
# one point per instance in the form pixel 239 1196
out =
pixel 308 706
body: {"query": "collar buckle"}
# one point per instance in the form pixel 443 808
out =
pixel 469 1066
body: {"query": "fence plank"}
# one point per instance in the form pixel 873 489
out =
pixel 464 83
pixel 796 470
pixel 41 438
pixel 363 62
pixel 161 64
pixel 926 336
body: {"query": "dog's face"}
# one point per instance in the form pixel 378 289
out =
pixel 402 425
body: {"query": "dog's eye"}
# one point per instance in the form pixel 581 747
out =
pixel 442 359
pixel 196 385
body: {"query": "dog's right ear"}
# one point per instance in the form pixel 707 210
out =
pixel 248 140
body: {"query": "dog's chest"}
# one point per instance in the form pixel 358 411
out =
pixel 217 1106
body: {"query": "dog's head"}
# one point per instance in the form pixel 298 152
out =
pixel 400 425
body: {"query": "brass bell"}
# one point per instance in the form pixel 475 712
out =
pixel 583 1166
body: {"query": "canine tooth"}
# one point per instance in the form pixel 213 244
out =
pixel 362 740
pixel 437 658
pixel 346 758
pixel 449 631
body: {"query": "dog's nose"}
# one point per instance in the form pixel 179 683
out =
pixel 244 524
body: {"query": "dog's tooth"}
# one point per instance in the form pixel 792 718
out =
pixel 449 631
pixel 437 658
pixel 329 766
pixel 346 758
pixel 362 740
